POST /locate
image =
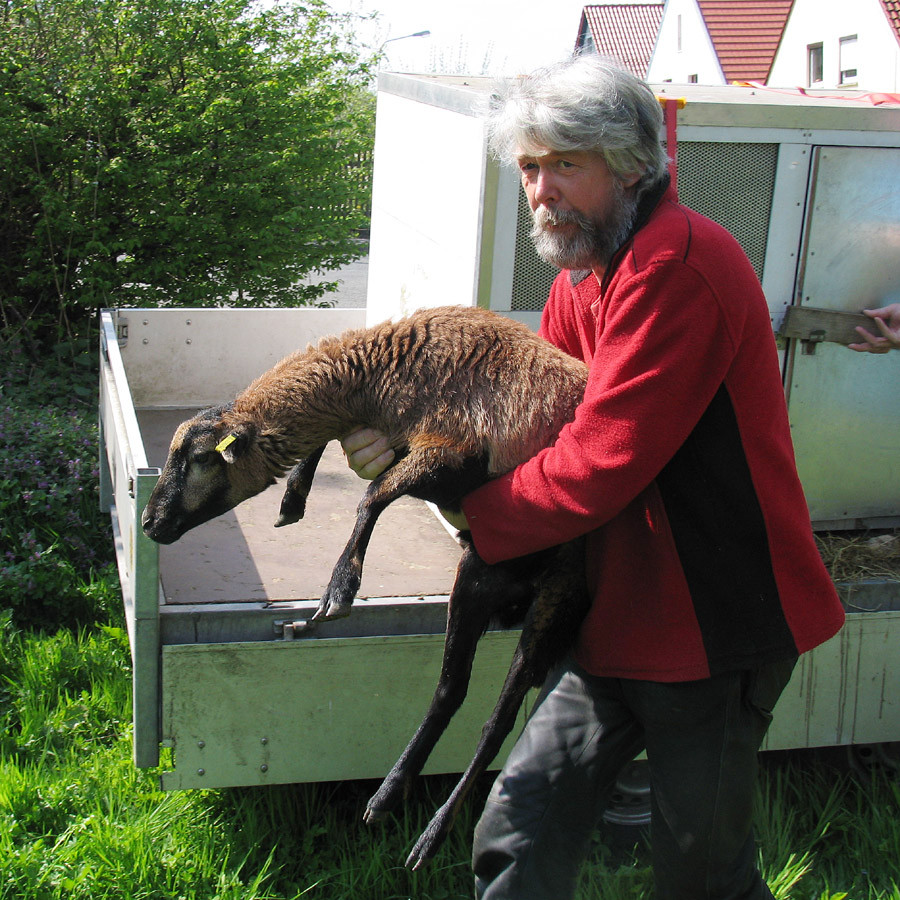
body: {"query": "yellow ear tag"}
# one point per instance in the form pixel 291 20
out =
pixel 225 443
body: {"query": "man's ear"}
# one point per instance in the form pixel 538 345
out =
pixel 236 442
pixel 630 180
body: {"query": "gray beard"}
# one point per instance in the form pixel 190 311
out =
pixel 593 244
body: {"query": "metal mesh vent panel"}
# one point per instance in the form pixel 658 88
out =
pixel 730 183
pixel 532 276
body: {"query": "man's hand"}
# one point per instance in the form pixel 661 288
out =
pixel 888 321
pixel 368 452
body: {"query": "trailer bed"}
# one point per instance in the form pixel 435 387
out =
pixel 241 558
pixel 232 684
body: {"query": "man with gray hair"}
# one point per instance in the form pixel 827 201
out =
pixel 678 467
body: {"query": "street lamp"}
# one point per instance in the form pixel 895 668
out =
pixel 404 37
pixel 382 56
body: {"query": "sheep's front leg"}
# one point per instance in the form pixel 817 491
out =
pixel 412 474
pixel 299 482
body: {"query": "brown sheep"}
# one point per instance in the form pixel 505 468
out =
pixel 463 396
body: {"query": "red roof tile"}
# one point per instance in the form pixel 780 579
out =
pixel 746 34
pixel 624 31
pixel 892 11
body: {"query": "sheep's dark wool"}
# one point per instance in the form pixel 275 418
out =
pixel 463 395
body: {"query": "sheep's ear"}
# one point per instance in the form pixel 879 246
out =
pixel 236 443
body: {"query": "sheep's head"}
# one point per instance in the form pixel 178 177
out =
pixel 212 466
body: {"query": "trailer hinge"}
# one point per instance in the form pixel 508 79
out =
pixel 122 331
pixel 289 630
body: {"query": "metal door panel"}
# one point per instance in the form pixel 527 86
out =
pixel 845 406
pixel 843 692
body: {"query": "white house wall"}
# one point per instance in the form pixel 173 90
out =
pixel 827 21
pixel 426 207
pixel 696 57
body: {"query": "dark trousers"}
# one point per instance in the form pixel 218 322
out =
pixel 701 738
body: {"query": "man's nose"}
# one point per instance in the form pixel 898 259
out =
pixel 546 190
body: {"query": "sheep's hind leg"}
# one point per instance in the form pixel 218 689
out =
pixel 494 733
pixel 549 631
pixel 412 474
pixel 479 589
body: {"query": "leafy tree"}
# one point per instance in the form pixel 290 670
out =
pixel 174 152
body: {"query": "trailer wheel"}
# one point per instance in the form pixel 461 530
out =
pixel 626 818
pixel 868 760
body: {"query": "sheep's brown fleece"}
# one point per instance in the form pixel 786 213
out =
pixel 454 378
pixel 463 395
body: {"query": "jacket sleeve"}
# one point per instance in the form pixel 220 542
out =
pixel 661 352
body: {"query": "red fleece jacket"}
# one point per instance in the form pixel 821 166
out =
pixel 678 465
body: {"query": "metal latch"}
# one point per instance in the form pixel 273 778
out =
pixel 289 630
pixel 122 331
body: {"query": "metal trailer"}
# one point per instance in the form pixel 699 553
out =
pixel 229 680
pixel 232 688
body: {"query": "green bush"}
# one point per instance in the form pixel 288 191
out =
pixel 56 548
pixel 176 152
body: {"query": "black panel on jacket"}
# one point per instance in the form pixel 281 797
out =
pixel 722 543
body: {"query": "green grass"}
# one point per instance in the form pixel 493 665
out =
pixel 77 820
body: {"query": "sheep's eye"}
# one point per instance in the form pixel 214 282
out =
pixel 203 459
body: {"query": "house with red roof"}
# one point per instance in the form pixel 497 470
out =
pixel 718 41
pixel 624 31
pixel 853 44
pixel 831 44
pixel 828 44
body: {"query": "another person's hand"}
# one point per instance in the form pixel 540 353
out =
pixel 887 320
pixel 368 452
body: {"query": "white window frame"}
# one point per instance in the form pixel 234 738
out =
pixel 815 53
pixel 848 60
